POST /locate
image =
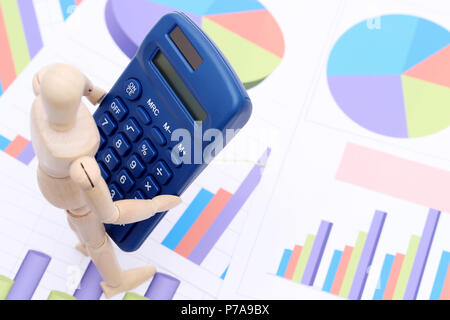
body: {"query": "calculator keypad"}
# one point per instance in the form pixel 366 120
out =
pixel 129 160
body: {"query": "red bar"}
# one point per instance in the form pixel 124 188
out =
pixel 393 276
pixel 203 222
pixel 342 269
pixel 445 294
pixel 16 147
pixel 290 270
pixel 77 2
pixel 7 69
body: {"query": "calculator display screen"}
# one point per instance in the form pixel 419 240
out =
pixel 178 86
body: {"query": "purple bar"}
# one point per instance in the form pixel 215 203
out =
pixel 367 254
pixel 29 275
pixel 27 155
pixel 89 288
pixel 30 26
pixel 421 258
pixel 316 253
pixel 229 211
pixel 163 287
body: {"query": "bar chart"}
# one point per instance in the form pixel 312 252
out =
pixel 347 273
pixel 35 264
pixel 19 148
pixel 209 215
pixel 68 7
pixel 20 39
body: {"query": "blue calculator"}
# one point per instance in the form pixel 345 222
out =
pixel 179 81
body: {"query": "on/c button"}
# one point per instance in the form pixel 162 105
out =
pixel 159 137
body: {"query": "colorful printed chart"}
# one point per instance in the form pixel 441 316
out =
pixel 244 30
pixel 393 78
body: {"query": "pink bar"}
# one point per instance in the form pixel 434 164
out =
pixel 78 2
pixel 17 146
pixel 290 270
pixel 445 295
pixel 393 276
pixel 203 222
pixel 342 269
pixel 396 177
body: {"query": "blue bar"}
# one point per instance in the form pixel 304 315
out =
pixel 4 143
pixel 284 262
pixel 188 218
pixel 332 271
pixel 67 7
pixel 384 277
pixel 224 274
pixel 1 88
pixel 440 276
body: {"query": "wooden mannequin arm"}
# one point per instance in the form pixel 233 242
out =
pixel 86 173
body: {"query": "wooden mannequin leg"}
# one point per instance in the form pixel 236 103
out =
pixel 80 246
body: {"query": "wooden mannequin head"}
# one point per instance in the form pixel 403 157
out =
pixel 61 88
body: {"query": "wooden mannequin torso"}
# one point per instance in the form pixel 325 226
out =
pixel 56 151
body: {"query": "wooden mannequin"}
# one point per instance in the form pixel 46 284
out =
pixel 66 139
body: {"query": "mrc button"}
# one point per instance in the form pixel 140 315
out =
pixel 133 89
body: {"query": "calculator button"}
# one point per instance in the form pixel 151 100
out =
pixel 133 89
pixel 121 144
pixel 150 187
pixel 110 159
pixel 118 109
pixel 162 172
pixel 107 124
pixel 143 115
pixel 116 195
pixel 135 166
pixel 104 171
pixel 132 130
pixel 102 141
pixel 147 151
pixel 124 180
pixel 175 159
pixel 160 139
pixel 138 195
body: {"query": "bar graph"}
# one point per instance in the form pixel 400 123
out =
pixel 19 148
pixel 68 7
pixel 20 39
pixel 401 274
pixel 348 270
pixel 209 215
pixel 35 264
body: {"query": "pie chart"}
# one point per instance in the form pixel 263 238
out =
pixel 393 78
pixel 244 30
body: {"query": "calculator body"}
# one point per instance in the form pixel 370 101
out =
pixel 177 80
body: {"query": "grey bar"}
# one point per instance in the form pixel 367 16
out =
pixel 186 48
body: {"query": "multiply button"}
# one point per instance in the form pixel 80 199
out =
pixel 150 187
pixel 133 89
pixel 162 172
pixel 118 109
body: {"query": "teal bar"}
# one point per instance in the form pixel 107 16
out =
pixel 4 143
pixel 224 274
pixel 332 271
pixel 440 276
pixel 384 277
pixel 284 262
pixel 67 7
pixel 188 218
